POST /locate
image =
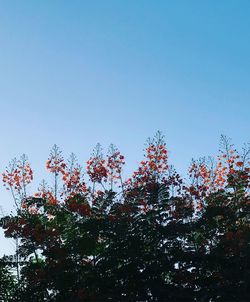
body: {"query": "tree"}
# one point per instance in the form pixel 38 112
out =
pixel 221 234
pixel 152 237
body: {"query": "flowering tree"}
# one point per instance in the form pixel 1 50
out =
pixel 222 227
pixel 94 236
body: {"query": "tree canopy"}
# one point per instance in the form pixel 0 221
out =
pixel 92 235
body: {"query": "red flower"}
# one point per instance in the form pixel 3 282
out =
pixel 239 164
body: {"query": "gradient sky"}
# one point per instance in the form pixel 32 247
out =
pixel 76 73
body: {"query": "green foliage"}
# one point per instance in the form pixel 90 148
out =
pixel 7 280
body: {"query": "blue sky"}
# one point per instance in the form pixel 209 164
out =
pixel 76 73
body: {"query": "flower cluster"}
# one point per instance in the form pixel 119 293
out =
pixel 201 176
pixel 18 175
pixel 80 207
pixel 115 161
pixel 72 179
pixel 96 166
pixel 157 158
pixel 154 166
pixel 230 171
pixel 55 163
pixel 32 209
pixel 46 194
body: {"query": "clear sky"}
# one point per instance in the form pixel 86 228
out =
pixel 80 72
